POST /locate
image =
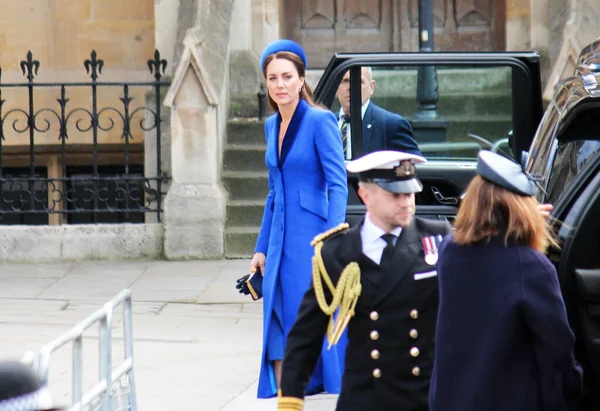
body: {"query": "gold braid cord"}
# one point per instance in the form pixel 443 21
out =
pixel 345 295
pixel 289 403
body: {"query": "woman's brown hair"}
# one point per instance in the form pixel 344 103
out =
pixel 306 92
pixel 489 211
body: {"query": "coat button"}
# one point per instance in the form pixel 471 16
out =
pixel 414 351
pixel 375 354
pixel 416 371
pixel 374 315
pixel 374 335
pixel 414 314
pixel 377 373
pixel 414 334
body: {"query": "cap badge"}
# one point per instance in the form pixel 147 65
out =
pixel 406 169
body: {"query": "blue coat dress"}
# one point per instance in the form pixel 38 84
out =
pixel 503 342
pixel 307 195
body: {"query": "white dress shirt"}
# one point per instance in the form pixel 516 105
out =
pixel 372 243
pixel 348 154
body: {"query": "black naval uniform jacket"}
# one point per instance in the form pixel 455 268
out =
pixel 389 357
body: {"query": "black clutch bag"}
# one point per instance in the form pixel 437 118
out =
pixel 251 284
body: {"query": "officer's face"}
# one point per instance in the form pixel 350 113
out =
pixel 388 210
pixel 367 87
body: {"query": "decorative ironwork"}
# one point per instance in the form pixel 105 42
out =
pixel 123 189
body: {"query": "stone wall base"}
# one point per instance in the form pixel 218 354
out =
pixel 194 222
pixel 81 242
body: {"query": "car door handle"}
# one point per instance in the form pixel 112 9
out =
pixel 442 199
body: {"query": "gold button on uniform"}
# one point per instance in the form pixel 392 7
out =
pixel 374 315
pixel 375 354
pixel 374 335
pixel 414 334
pixel 414 314
pixel 377 373
pixel 416 371
pixel 414 351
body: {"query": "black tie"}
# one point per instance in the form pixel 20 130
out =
pixel 344 130
pixel 387 251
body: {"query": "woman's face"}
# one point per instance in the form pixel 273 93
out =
pixel 283 82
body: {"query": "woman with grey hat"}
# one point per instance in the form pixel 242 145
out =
pixel 21 389
pixel 503 341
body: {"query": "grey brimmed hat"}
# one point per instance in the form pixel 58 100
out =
pixel 504 173
pixel 394 171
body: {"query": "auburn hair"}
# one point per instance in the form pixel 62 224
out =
pixel 489 211
pixel 306 93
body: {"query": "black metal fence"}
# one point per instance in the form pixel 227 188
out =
pixel 95 178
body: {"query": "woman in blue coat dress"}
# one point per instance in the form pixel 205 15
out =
pixel 503 341
pixel 307 195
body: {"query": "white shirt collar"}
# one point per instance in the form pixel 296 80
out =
pixel 363 109
pixel 371 232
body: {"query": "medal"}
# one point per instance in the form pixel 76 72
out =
pixel 430 247
pixel 431 259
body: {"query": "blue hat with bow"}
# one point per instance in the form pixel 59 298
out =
pixel 283 45
pixel 504 173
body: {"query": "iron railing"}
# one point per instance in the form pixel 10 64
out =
pixel 115 389
pixel 100 190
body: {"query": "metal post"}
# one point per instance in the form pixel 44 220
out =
pixel 428 125
pixel 262 102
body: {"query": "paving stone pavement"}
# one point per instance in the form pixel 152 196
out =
pixel 197 341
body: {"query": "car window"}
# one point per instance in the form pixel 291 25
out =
pixel 570 159
pixel 453 114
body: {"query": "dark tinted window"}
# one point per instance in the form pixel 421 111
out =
pixel 472 110
pixel 571 158
pixel 115 194
pixel 23 201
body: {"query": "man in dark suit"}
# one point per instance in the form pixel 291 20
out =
pixel 381 129
pixel 386 266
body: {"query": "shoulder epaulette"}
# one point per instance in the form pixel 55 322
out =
pixel 324 236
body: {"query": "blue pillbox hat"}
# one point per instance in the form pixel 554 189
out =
pixel 504 173
pixel 283 45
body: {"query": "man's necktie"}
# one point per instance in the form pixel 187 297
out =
pixel 344 130
pixel 387 251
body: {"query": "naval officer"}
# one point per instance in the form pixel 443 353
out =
pixel 381 280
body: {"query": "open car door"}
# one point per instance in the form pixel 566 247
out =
pixel 466 102
pixel 578 265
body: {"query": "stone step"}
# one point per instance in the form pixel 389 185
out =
pixel 455 79
pixel 491 103
pixel 245 131
pixel 240 241
pixel 251 157
pixel 246 185
pixel 245 213
pixel 244 157
pixel 251 131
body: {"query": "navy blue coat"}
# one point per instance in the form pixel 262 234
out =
pixel 503 341
pixel 384 130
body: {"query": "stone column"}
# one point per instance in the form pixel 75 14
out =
pixel 517 25
pixel 573 25
pixel 194 216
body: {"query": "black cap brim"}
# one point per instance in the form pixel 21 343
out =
pixel 412 185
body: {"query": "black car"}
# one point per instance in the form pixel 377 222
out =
pixel 460 103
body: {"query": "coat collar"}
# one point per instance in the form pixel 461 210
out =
pixel 291 132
